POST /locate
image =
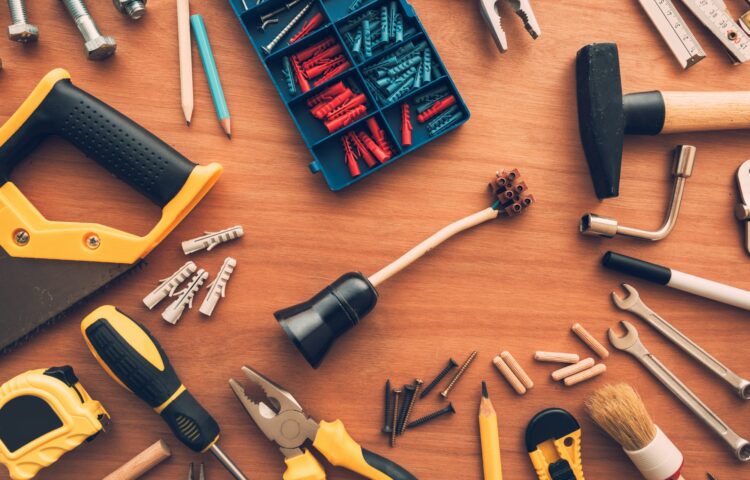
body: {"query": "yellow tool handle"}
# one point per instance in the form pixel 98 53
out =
pixel 490 438
pixel 304 467
pixel 132 356
pixel 335 443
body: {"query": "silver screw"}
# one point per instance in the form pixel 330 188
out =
pixel 268 48
pixel 93 241
pixel 21 237
pixel 21 30
pixel 135 9
pixel 97 45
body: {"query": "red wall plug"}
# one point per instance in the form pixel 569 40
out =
pixel 406 126
pixel 436 108
pixel 316 21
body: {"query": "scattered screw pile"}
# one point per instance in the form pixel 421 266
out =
pixel 401 402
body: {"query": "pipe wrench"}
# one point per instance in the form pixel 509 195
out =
pixel 491 13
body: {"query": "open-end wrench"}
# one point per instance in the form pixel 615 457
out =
pixel 632 303
pixel 632 344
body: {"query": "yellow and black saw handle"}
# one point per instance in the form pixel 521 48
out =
pixel 133 357
pixel 130 152
pixel 339 448
pixel 58 108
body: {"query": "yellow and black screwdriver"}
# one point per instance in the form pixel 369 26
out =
pixel 132 357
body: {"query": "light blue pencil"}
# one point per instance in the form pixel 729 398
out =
pixel 209 65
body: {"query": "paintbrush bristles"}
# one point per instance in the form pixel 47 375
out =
pixel 619 411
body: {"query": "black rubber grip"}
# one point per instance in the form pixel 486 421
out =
pixel 189 421
pixel 135 372
pixel 638 268
pixel 644 113
pixel 393 470
pixel 123 147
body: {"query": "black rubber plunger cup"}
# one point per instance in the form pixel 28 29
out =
pixel 314 325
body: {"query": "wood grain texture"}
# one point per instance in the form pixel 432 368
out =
pixel 517 285
pixel 705 111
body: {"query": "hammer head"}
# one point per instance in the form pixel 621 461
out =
pixel 601 116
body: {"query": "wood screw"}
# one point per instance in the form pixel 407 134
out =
pixel 440 376
pixel 417 386
pixel 432 416
pixel 394 417
pixel 459 374
pixel 387 428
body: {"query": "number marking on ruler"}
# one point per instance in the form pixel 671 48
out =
pixel 715 17
pixel 674 31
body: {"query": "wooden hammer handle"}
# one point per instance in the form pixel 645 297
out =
pixel 142 463
pixel 705 111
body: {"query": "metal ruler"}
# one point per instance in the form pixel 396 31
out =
pixel 674 30
pixel 714 15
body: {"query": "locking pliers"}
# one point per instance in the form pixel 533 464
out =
pixel 491 14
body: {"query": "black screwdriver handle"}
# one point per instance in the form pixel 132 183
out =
pixel 132 356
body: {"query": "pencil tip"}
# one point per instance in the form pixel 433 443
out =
pixel 484 390
pixel 188 122
pixel 229 136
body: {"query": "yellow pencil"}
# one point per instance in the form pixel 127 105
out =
pixel 490 438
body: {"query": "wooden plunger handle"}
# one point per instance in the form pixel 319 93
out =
pixel 142 463
pixel 705 111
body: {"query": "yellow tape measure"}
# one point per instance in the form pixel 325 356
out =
pixel 43 415
pixel 553 440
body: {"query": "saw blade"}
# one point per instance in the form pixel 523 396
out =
pixel 714 16
pixel 34 291
pixel 674 31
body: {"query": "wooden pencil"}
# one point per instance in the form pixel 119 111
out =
pixel 186 58
pixel 490 438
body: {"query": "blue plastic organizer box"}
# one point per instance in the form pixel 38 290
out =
pixel 399 64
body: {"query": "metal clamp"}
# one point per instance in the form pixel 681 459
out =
pixel 742 210
pixel 598 226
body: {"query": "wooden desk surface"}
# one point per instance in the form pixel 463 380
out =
pixel 516 285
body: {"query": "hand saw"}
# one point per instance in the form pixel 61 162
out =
pixel 713 14
pixel 48 266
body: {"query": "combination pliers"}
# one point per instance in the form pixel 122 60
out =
pixel 491 14
pixel 285 423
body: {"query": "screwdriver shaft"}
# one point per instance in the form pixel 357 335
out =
pixel 227 462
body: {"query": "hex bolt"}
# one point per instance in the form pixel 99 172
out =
pixel 417 386
pixel 387 428
pixel 409 391
pixel 394 417
pixel 440 376
pixel 432 416
pixel 459 374
pixel 20 29
pixel 134 9
pixel 97 46
pixel 21 237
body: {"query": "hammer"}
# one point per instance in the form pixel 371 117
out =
pixel 605 115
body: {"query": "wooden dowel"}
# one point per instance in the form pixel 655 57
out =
pixel 142 463
pixel 589 340
pixel 511 378
pixel 580 377
pixel 565 372
pixel 556 357
pixel 517 370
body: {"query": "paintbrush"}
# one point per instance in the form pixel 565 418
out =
pixel 619 411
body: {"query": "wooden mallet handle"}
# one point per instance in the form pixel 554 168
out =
pixel 142 463
pixel 705 111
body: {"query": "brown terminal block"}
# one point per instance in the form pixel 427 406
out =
pixel 459 374
pixel 510 192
